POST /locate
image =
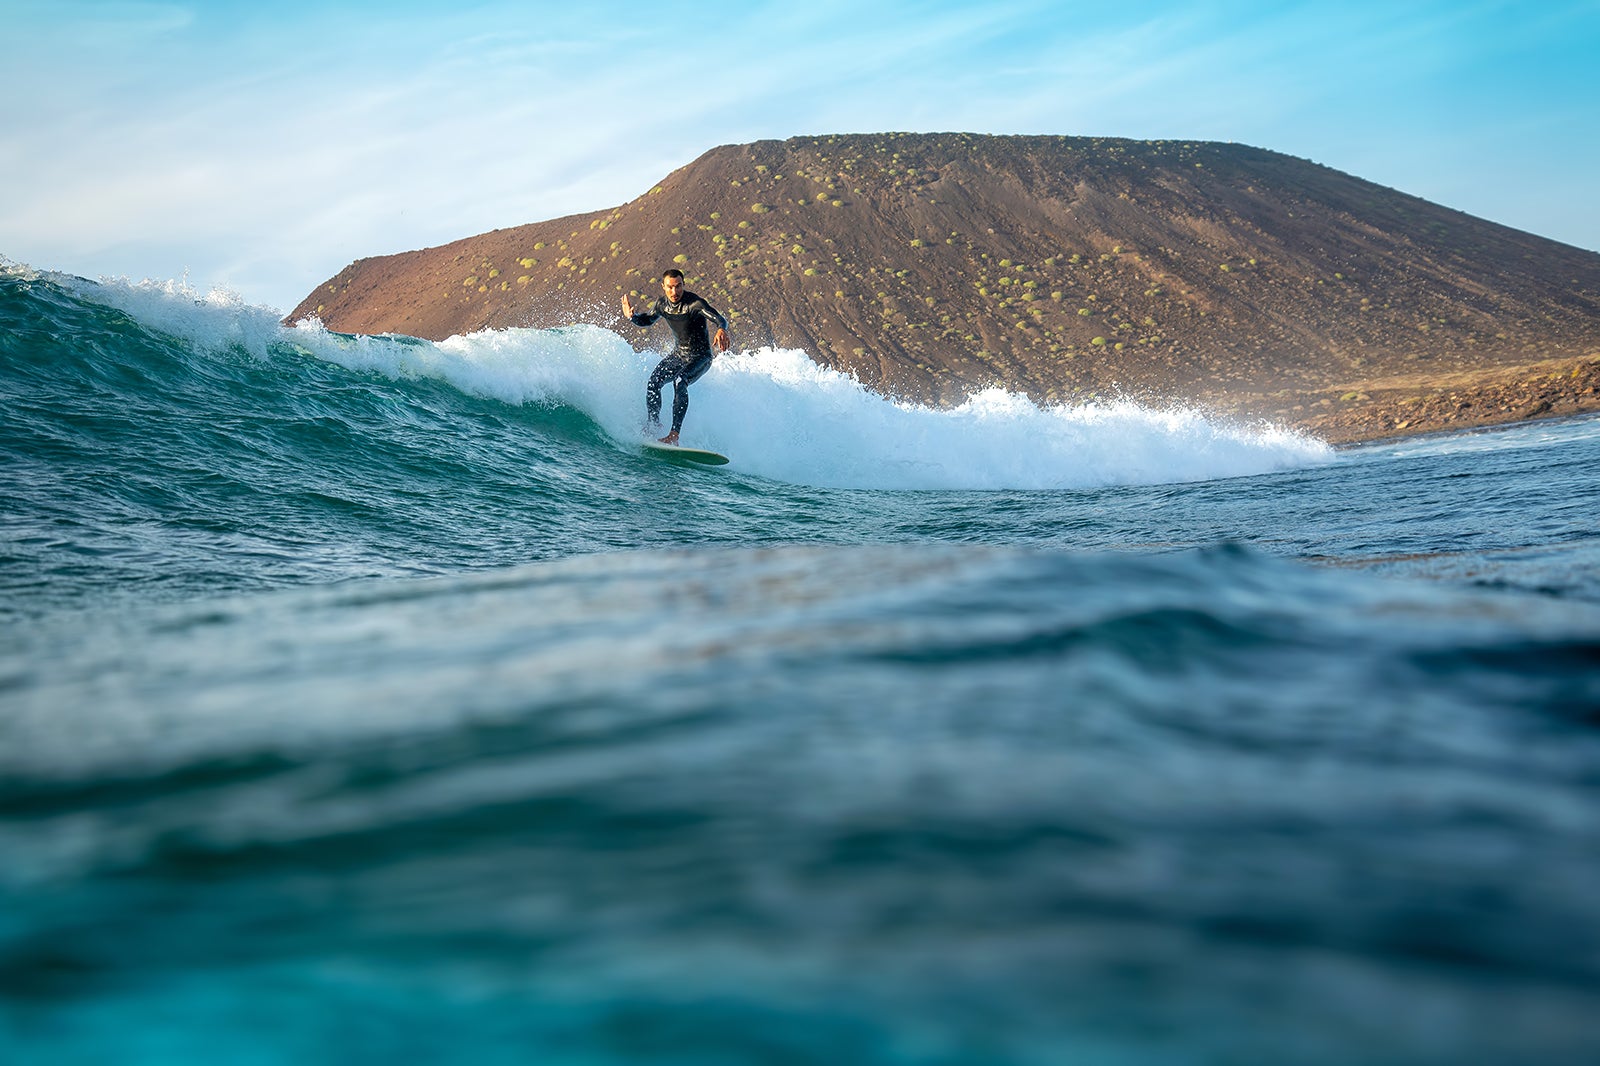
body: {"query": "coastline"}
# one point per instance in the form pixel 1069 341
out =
pixel 1395 406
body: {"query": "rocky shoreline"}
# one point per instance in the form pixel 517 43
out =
pixel 1414 405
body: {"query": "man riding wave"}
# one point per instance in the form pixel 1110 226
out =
pixel 690 318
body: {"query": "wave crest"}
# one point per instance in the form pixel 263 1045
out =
pixel 778 413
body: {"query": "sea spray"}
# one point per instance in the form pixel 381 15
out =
pixel 782 416
pixel 793 420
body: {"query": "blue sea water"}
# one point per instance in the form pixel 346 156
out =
pixel 375 700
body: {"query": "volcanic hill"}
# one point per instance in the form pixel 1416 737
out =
pixel 930 266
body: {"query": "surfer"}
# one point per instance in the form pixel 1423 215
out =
pixel 688 315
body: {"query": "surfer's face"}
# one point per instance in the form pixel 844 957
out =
pixel 673 287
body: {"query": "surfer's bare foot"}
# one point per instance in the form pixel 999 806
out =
pixel 670 438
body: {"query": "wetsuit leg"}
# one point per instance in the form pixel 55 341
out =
pixel 680 389
pixel 665 371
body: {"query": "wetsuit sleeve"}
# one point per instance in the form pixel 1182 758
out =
pixel 714 316
pixel 644 318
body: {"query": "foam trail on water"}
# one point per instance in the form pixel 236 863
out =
pixel 774 411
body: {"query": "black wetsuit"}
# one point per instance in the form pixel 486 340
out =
pixel 683 366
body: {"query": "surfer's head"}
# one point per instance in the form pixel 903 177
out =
pixel 672 284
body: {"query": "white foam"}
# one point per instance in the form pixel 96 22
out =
pixel 780 415
pixel 214 320
pixel 774 411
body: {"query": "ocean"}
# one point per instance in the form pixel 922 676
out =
pixel 370 699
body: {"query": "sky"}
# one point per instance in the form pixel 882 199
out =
pixel 259 148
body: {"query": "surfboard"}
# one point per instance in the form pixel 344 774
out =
pixel 679 453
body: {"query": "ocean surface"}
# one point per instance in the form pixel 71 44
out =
pixel 379 700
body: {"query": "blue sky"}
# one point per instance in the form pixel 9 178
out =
pixel 261 147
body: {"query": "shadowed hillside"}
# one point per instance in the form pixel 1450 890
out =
pixel 930 266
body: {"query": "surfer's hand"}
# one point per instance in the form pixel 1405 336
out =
pixel 627 305
pixel 721 340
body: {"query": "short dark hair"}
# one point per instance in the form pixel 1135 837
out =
pixel 672 272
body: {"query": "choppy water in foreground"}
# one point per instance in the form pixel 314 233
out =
pixel 377 700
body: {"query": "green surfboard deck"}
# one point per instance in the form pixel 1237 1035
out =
pixel 688 455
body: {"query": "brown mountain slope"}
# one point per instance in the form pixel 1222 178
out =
pixel 932 265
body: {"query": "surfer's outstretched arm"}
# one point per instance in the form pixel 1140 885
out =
pixel 640 318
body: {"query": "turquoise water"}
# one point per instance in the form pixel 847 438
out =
pixel 370 699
